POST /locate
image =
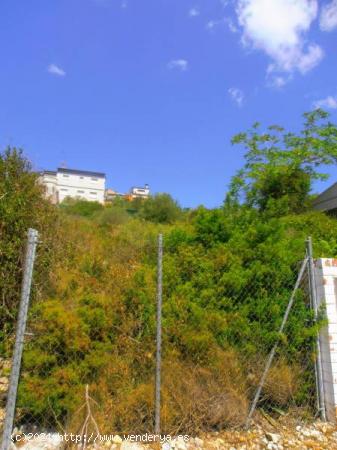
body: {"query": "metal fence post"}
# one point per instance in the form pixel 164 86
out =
pixel 19 338
pixel 158 340
pixel 273 350
pixel 318 362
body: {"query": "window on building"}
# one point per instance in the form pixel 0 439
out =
pixel 82 178
pixel 93 193
pixel 64 190
pixel 65 176
pixel 94 179
pixel 80 192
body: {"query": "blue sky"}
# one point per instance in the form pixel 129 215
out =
pixel 151 91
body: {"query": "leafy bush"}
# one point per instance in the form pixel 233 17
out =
pixel 82 208
pixel 112 215
pixel 161 208
pixel 22 206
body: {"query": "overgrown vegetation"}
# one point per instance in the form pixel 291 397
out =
pixel 160 208
pixel 21 206
pixel 228 273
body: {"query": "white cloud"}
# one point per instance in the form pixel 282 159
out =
pixel 181 64
pixel 194 12
pixel 328 19
pixel 279 28
pixel 278 81
pixel 329 102
pixel 237 95
pixel 226 21
pixel 56 70
pixel 231 25
pixel 211 24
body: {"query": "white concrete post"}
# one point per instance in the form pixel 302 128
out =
pixel 326 285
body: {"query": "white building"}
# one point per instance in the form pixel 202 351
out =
pixel 135 192
pixel 140 192
pixel 326 290
pixel 74 184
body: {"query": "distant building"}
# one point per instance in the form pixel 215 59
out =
pixel 82 184
pixel 135 192
pixel 140 192
pixel 110 195
pixel 73 183
pixel 49 180
pixel 327 200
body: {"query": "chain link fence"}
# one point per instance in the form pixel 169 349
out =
pixel 227 351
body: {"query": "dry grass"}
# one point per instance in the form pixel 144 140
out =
pixel 282 383
pixel 193 399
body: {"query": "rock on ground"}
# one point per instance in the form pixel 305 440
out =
pixel 280 436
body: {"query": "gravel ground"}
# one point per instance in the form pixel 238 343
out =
pixel 285 434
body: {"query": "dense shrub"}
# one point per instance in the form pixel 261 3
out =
pixel 224 296
pixel 111 216
pixel 161 208
pixel 82 208
pixel 22 206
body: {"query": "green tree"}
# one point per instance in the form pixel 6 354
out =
pixel 281 166
pixel 161 208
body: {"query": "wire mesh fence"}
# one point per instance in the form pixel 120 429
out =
pixel 252 309
pixel 89 360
